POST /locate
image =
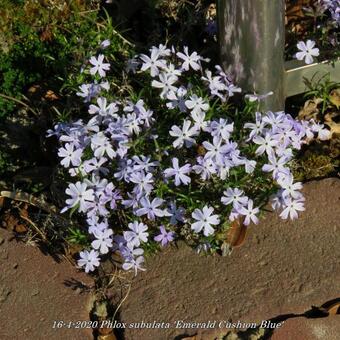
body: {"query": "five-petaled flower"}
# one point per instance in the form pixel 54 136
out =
pixel 307 51
pixel 178 172
pixel 89 260
pixel 205 220
pixel 79 195
pixel 99 66
pixel 164 237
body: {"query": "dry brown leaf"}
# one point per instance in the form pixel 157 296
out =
pixel 50 95
pixel 334 97
pixel 190 338
pixel 2 202
pixel 25 197
pixel 23 212
pixel 46 35
pixel 73 249
pixel 11 222
pixel 310 109
pixel 34 89
pixel 106 334
pixel 237 232
pixel 331 123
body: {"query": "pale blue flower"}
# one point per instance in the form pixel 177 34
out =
pixel 103 240
pixel 89 260
pixel 164 237
pixel 99 66
pixel 205 220
pixel 178 172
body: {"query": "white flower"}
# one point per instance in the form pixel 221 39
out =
pixel 70 155
pixel 153 62
pixel 100 144
pixel 196 104
pixel 286 181
pixel 199 120
pixel 172 71
pixel 104 44
pixel 176 214
pixel 221 128
pixel 178 172
pixel 323 133
pixel 103 240
pixel 177 99
pixel 249 212
pixel 143 182
pixel 266 144
pixel 185 135
pixel 215 83
pixel 162 50
pixel 103 109
pixel 258 97
pixel 291 207
pixel 79 194
pixel 216 150
pixel 307 51
pixel 276 166
pixel 257 127
pixel 151 208
pixel 235 197
pixel 134 263
pixel 192 60
pixel 99 66
pixel 136 234
pixel 165 83
pixel 88 259
pixel 205 167
pixel 231 89
pixel 205 220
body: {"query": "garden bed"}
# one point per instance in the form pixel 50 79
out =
pixel 129 154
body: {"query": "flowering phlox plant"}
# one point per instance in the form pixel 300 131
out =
pixel 321 32
pixel 175 161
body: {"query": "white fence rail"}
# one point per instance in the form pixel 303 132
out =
pixel 251 36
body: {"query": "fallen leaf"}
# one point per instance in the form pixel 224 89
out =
pixel 50 95
pixel 334 97
pixel 2 202
pixel 25 197
pixel 20 228
pixel 106 334
pixel 237 232
pixel 23 212
pixel 330 121
pixel 46 35
pixel 34 89
pixel 11 222
pixel 310 109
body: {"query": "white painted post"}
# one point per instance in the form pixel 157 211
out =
pixel 252 38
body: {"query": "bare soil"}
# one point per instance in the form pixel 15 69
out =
pixel 283 267
pixel 36 291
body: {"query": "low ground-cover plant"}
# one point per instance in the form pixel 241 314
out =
pixel 44 43
pixel 174 159
pixel 313 30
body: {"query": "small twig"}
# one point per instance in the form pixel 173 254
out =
pixel 121 302
pixel 19 102
pixel 34 226
pixel 27 198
